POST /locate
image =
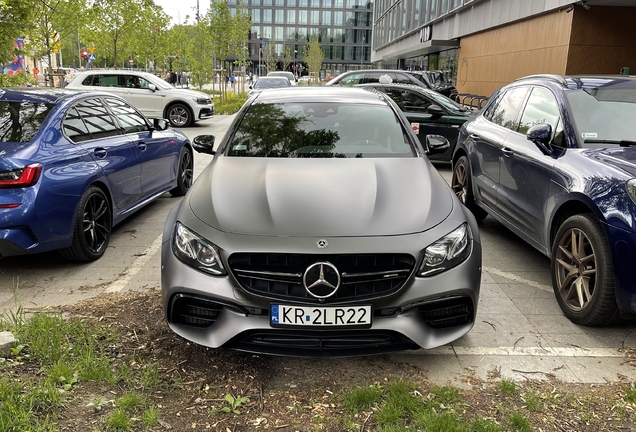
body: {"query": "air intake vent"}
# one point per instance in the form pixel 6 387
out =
pixel 449 312
pixel 194 311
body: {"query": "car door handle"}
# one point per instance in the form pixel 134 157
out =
pixel 142 146
pixel 100 152
pixel 507 151
pixel 474 137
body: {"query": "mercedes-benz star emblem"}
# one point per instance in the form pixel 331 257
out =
pixel 322 243
pixel 321 280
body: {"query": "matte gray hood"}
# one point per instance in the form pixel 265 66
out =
pixel 321 197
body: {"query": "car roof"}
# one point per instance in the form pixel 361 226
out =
pixel 577 82
pixel 354 95
pixel 50 96
pixel 413 87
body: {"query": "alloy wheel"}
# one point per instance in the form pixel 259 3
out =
pixel 460 183
pixel 186 170
pixel 575 269
pixel 95 223
pixel 179 116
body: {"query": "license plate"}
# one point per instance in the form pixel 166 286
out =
pixel 320 316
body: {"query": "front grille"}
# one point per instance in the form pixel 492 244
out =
pixel 321 343
pixel 280 276
pixel 449 312
pixel 194 311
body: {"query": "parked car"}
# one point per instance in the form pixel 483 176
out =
pixel 290 76
pixel 437 81
pixel 75 164
pixel 396 76
pixel 429 113
pixel 149 94
pixel 320 228
pixel 269 82
pixel 552 158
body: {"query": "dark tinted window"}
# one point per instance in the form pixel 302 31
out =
pixel 20 121
pixel 401 78
pixel 98 120
pixel 133 81
pixel 74 127
pixel 374 77
pixel 272 82
pixel 128 117
pixel 101 80
pixel 306 129
pixel 507 109
pixel 409 101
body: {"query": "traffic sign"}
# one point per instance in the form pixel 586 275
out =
pixel 91 57
pixel 131 61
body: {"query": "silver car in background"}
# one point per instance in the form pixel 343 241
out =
pixel 320 228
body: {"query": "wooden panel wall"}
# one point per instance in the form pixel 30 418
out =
pixel 496 57
pixel 602 40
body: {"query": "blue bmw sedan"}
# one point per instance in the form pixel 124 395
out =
pixel 553 158
pixel 74 165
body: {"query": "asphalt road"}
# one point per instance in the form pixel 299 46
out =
pixel 520 332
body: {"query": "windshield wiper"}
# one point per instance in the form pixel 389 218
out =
pixel 622 143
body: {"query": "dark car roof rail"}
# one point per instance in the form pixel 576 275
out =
pixel 558 78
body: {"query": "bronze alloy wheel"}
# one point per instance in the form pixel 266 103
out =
pixel 459 182
pixel 575 269
pixel 583 272
pixel 179 115
pixel 462 186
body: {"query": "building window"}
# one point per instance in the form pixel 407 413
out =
pixel 279 33
pixel 337 17
pixel 256 15
pixel 280 2
pixel 291 16
pixel 315 3
pixel 302 17
pixel 326 18
pixel 339 3
pixel 327 3
pixel 303 3
pixel 315 17
pixel 267 2
pixel 280 16
pixel 267 32
pixel 291 2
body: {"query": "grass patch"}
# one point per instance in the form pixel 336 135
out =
pixel 444 395
pixel 131 401
pixel 508 387
pixel 481 424
pixel 630 396
pixel 533 401
pixel 118 420
pixel 359 399
pixel 519 423
pixel 431 421
pixel 150 417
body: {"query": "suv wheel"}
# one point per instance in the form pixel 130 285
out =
pixel 179 115
pixel 462 185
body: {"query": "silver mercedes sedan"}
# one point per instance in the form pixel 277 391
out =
pixel 320 229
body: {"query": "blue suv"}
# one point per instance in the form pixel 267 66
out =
pixel 553 158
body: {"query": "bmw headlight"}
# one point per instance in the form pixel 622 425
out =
pixel 447 252
pixel 196 252
pixel 631 189
pixel 202 101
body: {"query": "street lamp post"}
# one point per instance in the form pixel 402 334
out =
pixel 295 72
pixel 361 52
pixel 260 54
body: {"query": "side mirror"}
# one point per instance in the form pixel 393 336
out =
pixel 541 135
pixel 204 144
pixel 250 87
pixel 152 87
pixel 436 144
pixel 160 124
pixel 436 111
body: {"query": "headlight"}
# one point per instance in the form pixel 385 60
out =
pixel 202 101
pixel 196 252
pixel 447 252
pixel 631 189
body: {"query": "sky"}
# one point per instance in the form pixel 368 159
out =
pixel 178 9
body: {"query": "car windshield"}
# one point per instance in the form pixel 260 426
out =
pixel 603 115
pixel 320 130
pixel 263 83
pixel 20 121
pixel 158 81
pixel 437 78
pixel 287 75
pixel 445 102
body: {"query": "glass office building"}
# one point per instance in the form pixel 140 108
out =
pixel 343 28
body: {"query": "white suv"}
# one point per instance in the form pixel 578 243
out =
pixel 151 95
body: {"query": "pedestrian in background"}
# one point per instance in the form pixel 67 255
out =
pixel 232 80
pixel 173 77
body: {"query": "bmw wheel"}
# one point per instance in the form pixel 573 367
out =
pixel 92 227
pixel 184 173
pixel 179 115
pixel 462 185
pixel 583 273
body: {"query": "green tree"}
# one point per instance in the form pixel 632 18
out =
pixel 16 14
pixel 287 56
pixel 314 56
pixel 270 57
pixel 221 22
pixel 148 41
pixel 240 36
pixel 198 53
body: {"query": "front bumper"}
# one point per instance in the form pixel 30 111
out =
pixel 217 311
pixel 206 112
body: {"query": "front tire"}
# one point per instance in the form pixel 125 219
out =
pixel 92 227
pixel 462 185
pixel 179 115
pixel 583 273
pixel 185 173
